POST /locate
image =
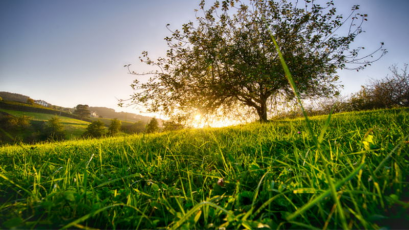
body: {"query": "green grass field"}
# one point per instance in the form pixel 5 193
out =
pixel 270 176
pixel 107 121
pixel 73 127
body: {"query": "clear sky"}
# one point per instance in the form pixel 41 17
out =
pixel 70 52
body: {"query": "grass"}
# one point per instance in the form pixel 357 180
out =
pixel 107 121
pixel 272 177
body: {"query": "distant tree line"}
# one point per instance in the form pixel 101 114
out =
pixel 12 105
pixel 14 129
pixel 391 91
pixel 13 97
pixel 22 129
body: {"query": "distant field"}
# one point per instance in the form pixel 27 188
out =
pixel 269 176
pixel 73 127
pixel 107 121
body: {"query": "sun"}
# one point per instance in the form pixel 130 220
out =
pixel 199 121
pixel 197 117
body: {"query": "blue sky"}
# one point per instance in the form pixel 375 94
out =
pixel 70 52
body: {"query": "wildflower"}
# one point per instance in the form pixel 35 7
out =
pixel 299 132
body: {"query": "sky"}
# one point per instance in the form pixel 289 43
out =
pixel 71 52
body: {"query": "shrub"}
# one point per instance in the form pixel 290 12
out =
pixel 153 126
pixel 391 91
pixel 114 127
pixel 172 126
pixel 10 122
pixel 95 129
pixel 54 130
pixel 30 101
pixel 137 127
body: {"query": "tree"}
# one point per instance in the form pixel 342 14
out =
pixel 82 111
pixel 227 59
pixel 30 101
pixel 54 130
pixel 114 127
pixel 8 122
pixel 23 122
pixel 153 126
pixel 137 127
pixel 172 126
pixel 95 129
pixel 392 90
pixel 388 92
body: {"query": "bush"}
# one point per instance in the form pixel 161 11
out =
pixel 95 129
pixel 23 122
pixel 54 130
pixel 114 127
pixel 10 122
pixel 391 91
pixel 30 101
pixel 137 127
pixel 172 126
pixel 153 126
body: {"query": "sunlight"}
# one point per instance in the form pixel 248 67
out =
pixel 200 122
pixel 198 117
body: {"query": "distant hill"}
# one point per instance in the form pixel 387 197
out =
pixel 13 97
pixel 104 112
pixel 20 106
pixel 101 112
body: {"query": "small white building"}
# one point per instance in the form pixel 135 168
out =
pixel 94 114
pixel 41 102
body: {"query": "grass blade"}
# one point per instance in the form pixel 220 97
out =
pixel 325 194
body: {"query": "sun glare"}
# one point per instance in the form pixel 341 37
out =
pixel 198 117
pixel 199 122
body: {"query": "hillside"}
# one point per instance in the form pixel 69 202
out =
pixel 109 113
pixel 270 176
pixel 19 106
pixel 74 127
pixel 13 97
pixel 18 102
pixel 33 130
pixel 39 115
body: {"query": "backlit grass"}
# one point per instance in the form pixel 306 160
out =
pixel 272 177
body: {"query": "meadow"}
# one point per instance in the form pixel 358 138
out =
pixel 74 128
pixel 271 175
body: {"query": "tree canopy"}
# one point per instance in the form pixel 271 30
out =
pixel 30 101
pixel 95 129
pixel 391 91
pixel 82 111
pixel 54 130
pixel 153 126
pixel 226 59
pixel 114 127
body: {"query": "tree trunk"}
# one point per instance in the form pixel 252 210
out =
pixel 262 111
